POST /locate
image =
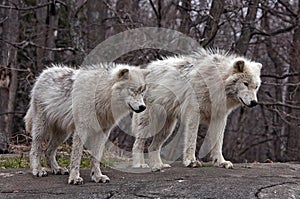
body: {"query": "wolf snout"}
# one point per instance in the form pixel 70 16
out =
pixel 253 103
pixel 137 109
pixel 141 108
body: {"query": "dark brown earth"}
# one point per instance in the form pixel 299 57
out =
pixel 273 180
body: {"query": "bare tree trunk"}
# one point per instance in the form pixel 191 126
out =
pixel 41 29
pixel 212 24
pixel 127 13
pixel 76 28
pixel 185 24
pixel 247 28
pixel 279 143
pixel 294 94
pixel 3 117
pixel 97 13
pixel 47 25
pixel 10 73
pixel 52 28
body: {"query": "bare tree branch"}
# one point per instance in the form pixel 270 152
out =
pixel 157 11
pixel 12 113
pixel 114 11
pixel 254 144
pixel 278 104
pixel 275 32
pixel 280 76
pixel 23 44
pixel 15 7
pixel 3 20
pixel 212 24
pixel 285 4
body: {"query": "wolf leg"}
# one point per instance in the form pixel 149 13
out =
pixel 216 153
pixel 96 174
pixel 77 147
pixel 58 137
pixel 156 163
pixel 191 124
pixel 38 133
pixel 214 140
pixel 138 153
pixel 96 144
pixel 138 130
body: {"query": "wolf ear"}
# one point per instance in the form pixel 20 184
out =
pixel 123 74
pixel 259 65
pixel 238 66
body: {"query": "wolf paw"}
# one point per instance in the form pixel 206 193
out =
pixel 100 178
pixel 60 171
pixel 75 181
pixel 159 167
pixel 192 163
pixel 39 172
pixel 224 164
pixel 140 166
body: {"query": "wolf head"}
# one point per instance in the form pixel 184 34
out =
pixel 129 89
pixel 243 83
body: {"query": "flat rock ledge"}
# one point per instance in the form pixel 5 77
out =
pixel 257 180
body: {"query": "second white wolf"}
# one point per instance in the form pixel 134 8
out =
pixel 200 88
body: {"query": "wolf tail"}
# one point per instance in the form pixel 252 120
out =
pixel 28 120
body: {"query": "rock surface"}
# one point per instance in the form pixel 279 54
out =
pixel 273 180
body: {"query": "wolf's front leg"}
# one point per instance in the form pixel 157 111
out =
pixel 138 160
pixel 213 142
pixel 217 156
pixel 77 147
pixel 139 126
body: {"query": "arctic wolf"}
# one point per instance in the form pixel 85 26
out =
pixel 88 102
pixel 200 88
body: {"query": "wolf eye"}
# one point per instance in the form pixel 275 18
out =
pixel 256 87
pixel 131 90
pixel 143 89
pixel 246 84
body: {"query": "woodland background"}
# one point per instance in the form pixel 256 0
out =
pixel 34 33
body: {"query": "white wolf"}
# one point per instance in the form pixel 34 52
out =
pixel 203 87
pixel 87 101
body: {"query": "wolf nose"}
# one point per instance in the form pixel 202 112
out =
pixel 142 108
pixel 253 103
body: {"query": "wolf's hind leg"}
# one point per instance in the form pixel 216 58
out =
pixel 38 134
pixel 96 173
pixel 77 148
pixel 96 144
pixel 191 124
pixel 58 137
pixel 156 163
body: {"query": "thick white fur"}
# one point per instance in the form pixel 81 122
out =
pixel 201 88
pixel 89 102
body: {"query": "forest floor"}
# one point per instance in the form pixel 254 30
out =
pixel 255 180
